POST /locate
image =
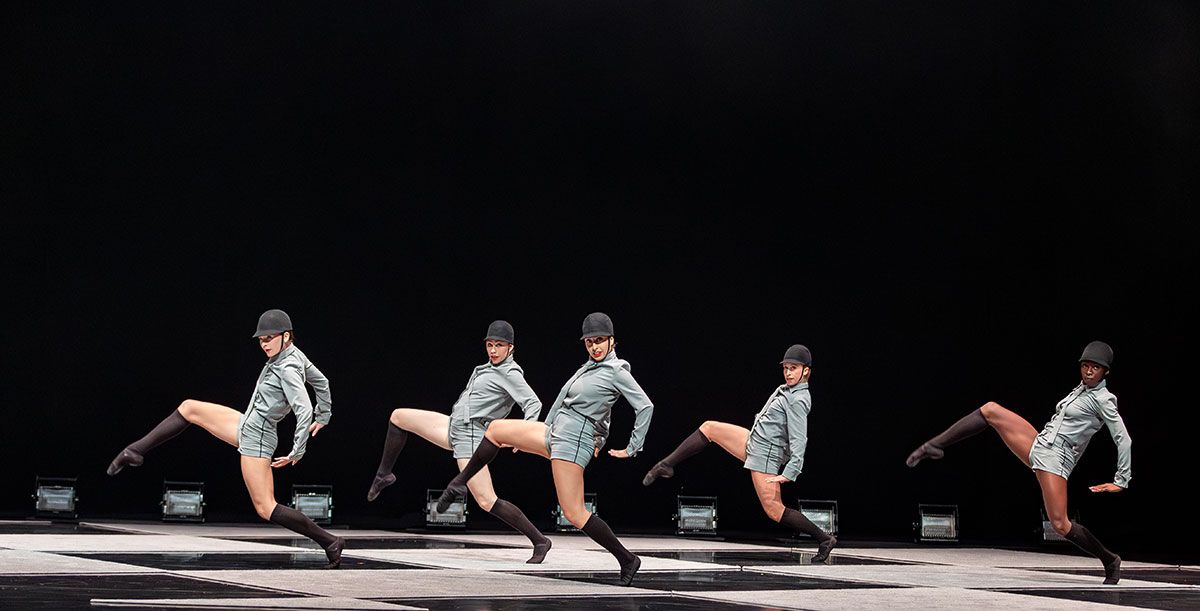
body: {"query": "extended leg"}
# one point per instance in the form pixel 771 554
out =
pixel 1016 432
pixel 261 485
pixel 521 434
pixel 1054 495
pixel 568 483
pixel 217 419
pixel 769 496
pixel 429 425
pixel 485 496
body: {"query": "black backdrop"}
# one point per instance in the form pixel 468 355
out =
pixel 944 201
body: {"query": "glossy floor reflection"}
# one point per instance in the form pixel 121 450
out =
pixel 381 543
pixel 625 603
pixel 750 558
pixel 1146 599
pixel 200 561
pixel 49 528
pixel 1179 576
pixel 75 591
pixel 696 581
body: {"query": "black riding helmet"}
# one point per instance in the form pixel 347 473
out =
pixel 501 330
pixel 597 324
pixel 272 322
pixel 1099 353
pixel 797 354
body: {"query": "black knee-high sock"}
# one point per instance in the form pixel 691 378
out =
pixel 666 467
pixel 968 426
pixel 797 521
pixel 392 445
pixel 298 522
pixel 484 453
pixel 1086 541
pixel 513 516
pixel 599 531
pixel 170 427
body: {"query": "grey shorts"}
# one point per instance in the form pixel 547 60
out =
pixel 572 438
pixel 465 436
pixel 764 456
pixel 256 437
pixel 1058 457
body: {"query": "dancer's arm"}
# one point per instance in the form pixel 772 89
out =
pixel 643 410
pixel 324 409
pixel 515 385
pixel 797 429
pixel 291 378
pixel 1107 409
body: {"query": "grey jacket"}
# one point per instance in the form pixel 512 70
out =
pixel 280 389
pixel 492 391
pixel 593 390
pixel 784 419
pixel 1078 416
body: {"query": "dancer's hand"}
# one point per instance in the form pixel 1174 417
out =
pixel 282 461
pixel 777 479
pixel 617 453
pixel 316 426
pixel 1106 488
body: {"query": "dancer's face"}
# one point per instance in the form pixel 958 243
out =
pixel 1091 373
pixel 598 347
pixel 793 373
pixel 272 344
pixel 497 350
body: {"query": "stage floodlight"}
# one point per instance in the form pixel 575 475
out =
pixel 455 515
pixel 562 524
pixel 937 523
pixel 822 513
pixel 183 501
pixel 695 515
pixel 55 497
pixel 314 501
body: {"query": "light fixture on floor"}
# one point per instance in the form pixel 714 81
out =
pixel 183 501
pixel 455 515
pixel 937 523
pixel 55 497
pixel 696 515
pixel 562 524
pixel 314 501
pixel 822 513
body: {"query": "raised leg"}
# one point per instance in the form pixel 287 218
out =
pixel 431 426
pixel 521 434
pixel 217 419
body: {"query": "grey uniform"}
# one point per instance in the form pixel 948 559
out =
pixel 490 394
pixel 280 390
pixel 579 418
pixel 1076 418
pixel 779 434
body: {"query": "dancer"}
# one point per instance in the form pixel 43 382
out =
pixel 775 441
pixel 1052 454
pixel 280 389
pixel 491 392
pixel 575 430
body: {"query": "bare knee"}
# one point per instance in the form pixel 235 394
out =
pixel 264 509
pixel 991 410
pixel 188 409
pixel 398 418
pixel 576 516
pixel 1060 523
pixel 774 509
pixel 484 498
pixel 707 427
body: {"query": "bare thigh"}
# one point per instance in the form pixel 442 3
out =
pixel 731 437
pixel 433 427
pixel 260 483
pixel 1016 431
pixel 768 494
pixel 217 419
pixel 568 485
pixel 1054 496
pixel 480 486
pixel 524 435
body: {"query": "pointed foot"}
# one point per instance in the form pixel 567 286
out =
pixel 377 486
pixel 334 553
pixel 629 569
pixel 925 451
pixel 1112 572
pixel 452 493
pixel 127 458
pixel 823 549
pixel 539 552
pixel 661 469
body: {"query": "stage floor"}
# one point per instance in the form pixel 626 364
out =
pixel 153 565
